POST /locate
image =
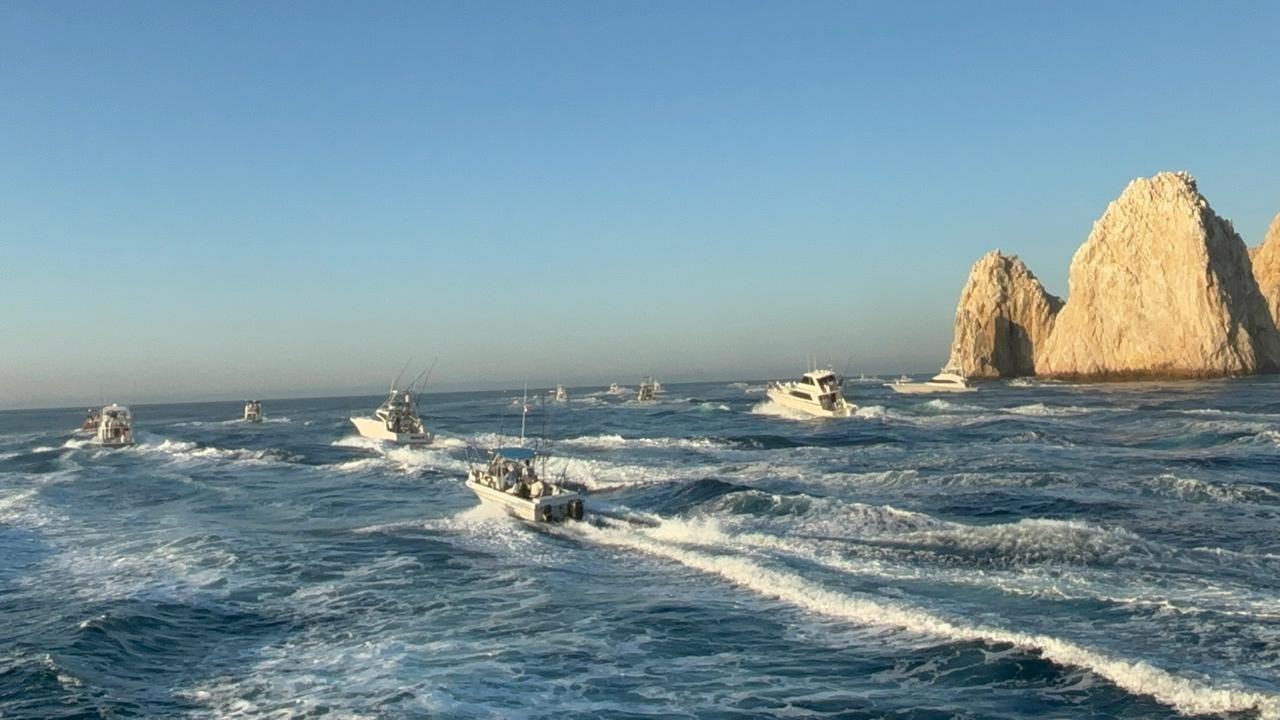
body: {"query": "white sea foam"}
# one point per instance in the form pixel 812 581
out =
pixel 1186 695
pixel 613 442
pixel 185 451
pixel 1041 410
pixel 1195 489
pixel 872 412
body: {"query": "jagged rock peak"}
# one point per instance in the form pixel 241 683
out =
pixel 1163 287
pixel 1003 317
pixel 1266 268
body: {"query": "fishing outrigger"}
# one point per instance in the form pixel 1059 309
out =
pixel 396 419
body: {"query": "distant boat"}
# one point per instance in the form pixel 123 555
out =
pixel 561 395
pixel 510 480
pixel 615 389
pixel 817 392
pixel 647 390
pixel 92 418
pixel 115 428
pixel 253 411
pixel 948 380
pixel 396 420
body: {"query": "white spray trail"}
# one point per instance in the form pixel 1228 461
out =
pixel 1187 696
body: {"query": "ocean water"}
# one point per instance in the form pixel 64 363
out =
pixel 1031 550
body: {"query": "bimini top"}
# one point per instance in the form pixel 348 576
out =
pixel 515 453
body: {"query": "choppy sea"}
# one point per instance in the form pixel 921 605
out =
pixel 1030 550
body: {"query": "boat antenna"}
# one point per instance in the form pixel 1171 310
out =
pixel 848 364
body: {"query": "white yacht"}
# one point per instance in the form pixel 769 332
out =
pixel 817 392
pixel 115 429
pixel 253 411
pixel 510 480
pixel 396 420
pixel 92 418
pixel 948 380
pixel 615 389
pixel 562 395
pixel 648 389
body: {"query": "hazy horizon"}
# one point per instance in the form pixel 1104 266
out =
pixel 233 200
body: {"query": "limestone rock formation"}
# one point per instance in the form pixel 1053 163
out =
pixel 1163 287
pixel 1266 268
pixel 1003 318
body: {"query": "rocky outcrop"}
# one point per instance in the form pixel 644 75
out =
pixel 1003 318
pixel 1266 268
pixel 1163 287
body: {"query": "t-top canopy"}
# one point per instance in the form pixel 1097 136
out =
pixel 515 453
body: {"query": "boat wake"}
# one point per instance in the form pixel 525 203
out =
pixel 1186 695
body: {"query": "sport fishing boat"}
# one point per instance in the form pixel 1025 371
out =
pixel 948 380
pixel 396 420
pixel 562 395
pixel 648 389
pixel 253 411
pixel 817 392
pixel 116 427
pixel 615 389
pixel 510 480
pixel 92 418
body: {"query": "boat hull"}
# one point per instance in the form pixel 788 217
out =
pixel 550 508
pixel 375 429
pixel 791 402
pixel 926 388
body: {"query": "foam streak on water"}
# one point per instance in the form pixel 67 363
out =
pixel 1030 550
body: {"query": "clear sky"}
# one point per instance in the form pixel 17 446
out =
pixel 221 199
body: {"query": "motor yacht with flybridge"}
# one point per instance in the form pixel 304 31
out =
pixel 648 390
pixel 818 392
pixel 115 429
pixel 253 411
pixel 515 479
pixel 396 419
pixel 562 395
pixel 950 379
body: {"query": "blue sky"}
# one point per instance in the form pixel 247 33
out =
pixel 204 200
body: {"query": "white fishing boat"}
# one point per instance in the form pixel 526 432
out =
pixel 396 420
pixel 615 389
pixel 253 411
pixel 510 480
pixel 948 380
pixel 562 395
pixel 115 428
pixel 817 392
pixel 647 390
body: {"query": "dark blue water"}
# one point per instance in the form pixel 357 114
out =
pixel 1030 550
